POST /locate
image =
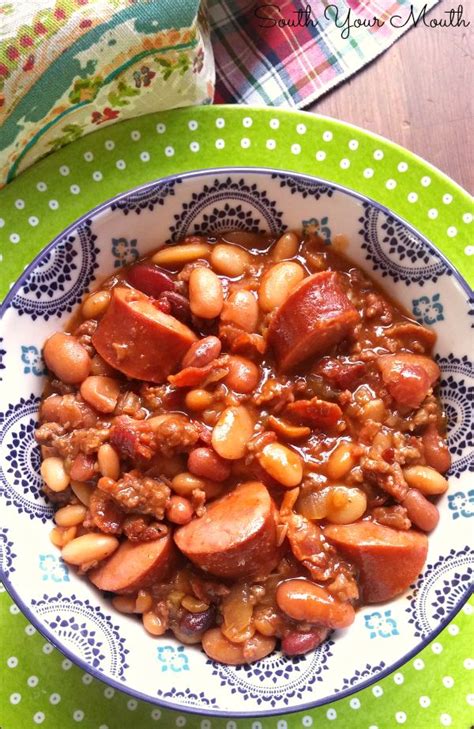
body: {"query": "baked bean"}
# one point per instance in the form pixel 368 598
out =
pixel 420 511
pixel 283 464
pixel 285 247
pixel 205 293
pixel 70 515
pixel 426 480
pixel 340 461
pixel 100 367
pixel 83 467
pixel 198 399
pixel 144 602
pixel 124 604
pixel 193 604
pixel 101 392
pixel 89 548
pixel 54 473
pixel 179 255
pixel 67 358
pixel 307 602
pixel 243 375
pixel 83 491
pixel 179 510
pixel 153 624
pixel 202 352
pixel 109 461
pixel 229 260
pixel 296 644
pixel 277 284
pixel 96 304
pixel 185 483
pixel 345 505
pixel 206 463
pixel 60 536
pixel 232 432
pixel 241 309
pixel 220 649
pixel 374 410
pixel 287 430
pixel 435 449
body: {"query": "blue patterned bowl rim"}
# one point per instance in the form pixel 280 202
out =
pixel 30 615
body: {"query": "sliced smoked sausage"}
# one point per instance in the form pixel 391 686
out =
pixel 388 560
pixel 237 535
pixel 135 565
pixel 140 340
pixel 316 315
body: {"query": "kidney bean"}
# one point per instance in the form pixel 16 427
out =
pixel 196 623
pixel 202 352
pixel 206 463
pixel 176 305
pixel 150 279
pixel 436 450
pixel 303 600
pixel 243 375
pixel 83 467
pixel 67 358
pixel 179 510
pixel 296 644
pixel 420 511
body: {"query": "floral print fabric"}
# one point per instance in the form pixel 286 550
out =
pixel 68 67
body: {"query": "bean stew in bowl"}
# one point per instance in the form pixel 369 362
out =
pixel 243 442
pixel 224 407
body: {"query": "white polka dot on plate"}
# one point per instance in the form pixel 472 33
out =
pixel 15 698
pixel 353 144
pixel 32 681
pixel 469 250
pixel 331 714
pixel 47 648
pixel 88 156
pixel 78 715
pixel 194 146
pixel 247 121
pixel 391 184
pixel 41 186
pixel 399 678
pixel 426 181
pixel 437 647
pixel 33 221
pixel 39 717
pixel 192 125
pixel 87 679
pixel 470 699
pixel 327 136
pixel 120 164
pixel 301 128
pixel 354 703
pixel 445 720
pixel 64 170
pixel 132 704
pixel 448 681
pixel 281 724
pixel 14 238
pixel 345 163
pixel 453 629
pixel 169 151
pixel 145 156
pixel 377 691
pixel 12 662
pixel 75 189
pixel 2 222
pixel 412 197
pixel 368 172
pixel 255 725
pixel 109 692
pixel 97 176
pixel 378 154
pixel 156 714
pixel 54 699
pixel 30 630
pixel 400 717
pixel 452 231
pixel 467 218
pixel 14 609
pixel 307 720
pixel 469 664
pixel 66 664
pixel 205 724
pixel 402 167
pixel 135 135
pixel 220 144
pixel 447 198
pixel 109 144
pixel 270 144
pixel 274 123
pixel 161 128
pixel 432 213
pixel 220 122
pixel 53 204
pixel 418 664
pixel 245 142
pixel 296 148
pixel 19 204
pixel 103 726
pixel 320 155
pixel 180 721
pixel 424 701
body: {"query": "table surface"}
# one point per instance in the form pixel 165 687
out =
pixel 419 93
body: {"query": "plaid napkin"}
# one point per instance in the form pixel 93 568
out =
pixel 261 59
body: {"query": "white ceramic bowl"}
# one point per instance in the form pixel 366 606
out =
pixel 75 616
